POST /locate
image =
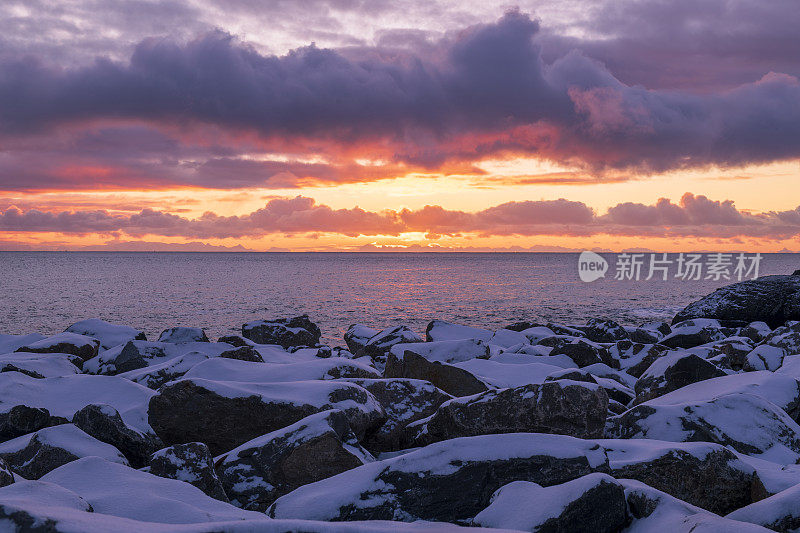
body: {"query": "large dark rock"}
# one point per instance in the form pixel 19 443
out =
pixel 595 503
pixel 448 481
pixel 672 372
pixel 190 462
pixel 770 299
pixel 562 407
pixel 104 423
pixel 317 447
pixel 597 330
pixel 243 353
pixel 449 378
pixel 70 343
pixel 585 353
pixel 21 420
pixel 287 332
pixel 6 475
pixel 224 415
pixel 703 474
pixel 404 401
pixel 34 455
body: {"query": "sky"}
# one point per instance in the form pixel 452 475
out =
pixel 423 125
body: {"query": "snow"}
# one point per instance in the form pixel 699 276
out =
pixel 448 351
pixel 182 335
pixel 321 500
pixel 153 353
pixel 511 358
pixel 781 507
pixel 108 334
pixel 775 477
pixel 508 507
pixel 626 452
pixel 67 437
pixel 10 343
pixel 537 333
pixel 222 369
pixel 63 396
pixel 46 365
pixel 507 338
pixel 503 375
pixel 766 357
pixel 153 375
pixel 315 393
pixel 62 338
pixel 118 490
pixel 439 330
pixel 781 390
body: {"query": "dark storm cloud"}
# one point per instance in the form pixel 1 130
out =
pixel 484 92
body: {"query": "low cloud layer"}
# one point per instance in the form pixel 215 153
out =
pixel 192 113
pixel 696 216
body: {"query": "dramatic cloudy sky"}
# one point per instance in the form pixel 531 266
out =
pixel 670 125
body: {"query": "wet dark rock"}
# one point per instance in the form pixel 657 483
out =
pixel 190 462
pixel 449 378
pixel 286 332
pixel 317 447
pixel 243 353
pixel 577 409
pixel 104 423
pixel 224 415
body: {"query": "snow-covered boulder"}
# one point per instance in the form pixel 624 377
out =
pixel 36 454
pixel 404 401
pixel 156 375
pixel 743 421
pixel 190 462
pixel 118 490
pixel 20 420
pixel 765 357
pixel 708 475
pixel 756 331
pixel 597 330
pixel 6 475
pixel 104 423
pixel 71 343
pixel 63 396
pixel 634 357
pixel 447 481
pixel 562 407
pixel 141 354
pixel 671 372
pixel 449 351
pixel 449 378
pixel 37 365
pixel 246 372
pixel 584 352
pixel 786 337
pixel 378 347
pixel 770 299
pixel 226 414
pixel 10 343
pixel 779 512
pixel 595 502
pixel 108 334
pixel 286 332
pixel 317 447
pixel 691 333
pixel 439 330
pixel 614 389
pixel 357 336
pixel 506 338
pixel 183 335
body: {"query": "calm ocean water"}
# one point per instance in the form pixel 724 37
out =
pixel 47 291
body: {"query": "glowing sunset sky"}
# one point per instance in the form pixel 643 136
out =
pixel 669 125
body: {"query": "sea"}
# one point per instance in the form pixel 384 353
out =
pixel 47 291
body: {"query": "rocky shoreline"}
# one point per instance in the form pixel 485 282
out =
pixel 550 427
